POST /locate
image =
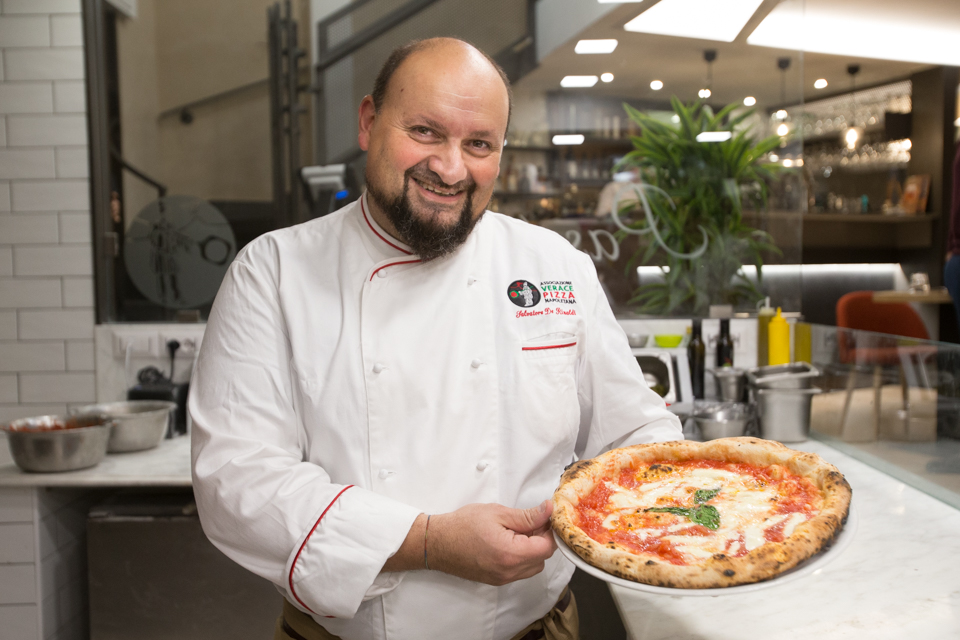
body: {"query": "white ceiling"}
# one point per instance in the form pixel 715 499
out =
pixel 742 69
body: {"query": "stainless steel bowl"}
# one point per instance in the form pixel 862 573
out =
pixel 48 444
pixel 723 420
pixel 138 424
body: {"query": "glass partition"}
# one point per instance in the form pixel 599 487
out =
pixel 890 401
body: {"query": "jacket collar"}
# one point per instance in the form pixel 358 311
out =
pixel 380 239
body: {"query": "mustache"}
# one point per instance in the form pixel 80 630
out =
pixel 423 174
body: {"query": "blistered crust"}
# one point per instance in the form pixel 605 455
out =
pixel 763 563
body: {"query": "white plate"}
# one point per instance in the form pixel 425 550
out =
pixel 805 568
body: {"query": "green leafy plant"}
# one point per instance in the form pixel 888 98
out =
pixel 694 194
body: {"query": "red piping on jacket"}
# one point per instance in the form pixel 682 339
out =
pixel 392 264
pixel 300 550
pixel 377 233
pixel 551 346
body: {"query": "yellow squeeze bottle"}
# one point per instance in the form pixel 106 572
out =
pixel 779 340
pixel 764 315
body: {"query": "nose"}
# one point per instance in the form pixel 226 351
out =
pixel 448 163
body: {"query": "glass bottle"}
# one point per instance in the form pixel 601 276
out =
pixel 724 345
pixel 697 358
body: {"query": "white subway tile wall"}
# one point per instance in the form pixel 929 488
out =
pixel 46 301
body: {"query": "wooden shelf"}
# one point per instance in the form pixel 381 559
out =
pixel 934 296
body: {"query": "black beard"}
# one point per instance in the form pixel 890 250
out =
pixel 427 239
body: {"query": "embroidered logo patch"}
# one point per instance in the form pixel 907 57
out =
pixel 523 293
pixel 559 291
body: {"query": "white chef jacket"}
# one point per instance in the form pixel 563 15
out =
pixel 343 387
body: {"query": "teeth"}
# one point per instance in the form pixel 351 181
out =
pixel 437 191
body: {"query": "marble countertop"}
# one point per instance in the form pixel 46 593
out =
pixel 165 466
pixel 896 579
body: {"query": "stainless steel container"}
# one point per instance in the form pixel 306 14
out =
pixel 723 420
pixel 784 413
pixel 48 444
pixel 797 375
pixel 731 382
pixel 138 424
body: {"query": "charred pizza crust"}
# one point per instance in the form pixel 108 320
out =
pixel 719 570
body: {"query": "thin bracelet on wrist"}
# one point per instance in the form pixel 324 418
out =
pixel 425 530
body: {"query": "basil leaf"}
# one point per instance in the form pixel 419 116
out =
pixel 704 495
pixel 707 516
pixel 680 511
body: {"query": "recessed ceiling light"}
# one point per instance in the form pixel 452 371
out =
pixel 578 81
pixel 704 93
pixel 714 136
pixel 749 101
pixel 596 46
pixel 695 19
pixel 568 138
pixel 826 28
pixel 656 85
pixel 820 84
pixel 606 77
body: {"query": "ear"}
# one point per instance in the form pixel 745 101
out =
pixel 368 114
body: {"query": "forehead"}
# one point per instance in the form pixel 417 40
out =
pixel 457 88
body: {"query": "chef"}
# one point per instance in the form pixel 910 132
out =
pixel 386 397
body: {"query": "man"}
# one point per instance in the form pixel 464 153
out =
pixel 381 415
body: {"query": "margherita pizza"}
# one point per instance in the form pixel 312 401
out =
pixel 695 515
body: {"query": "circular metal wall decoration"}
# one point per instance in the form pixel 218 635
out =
pixel 177 251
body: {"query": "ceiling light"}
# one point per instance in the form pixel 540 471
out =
pixel 783 130
pixel 571 138
pixel 907 144
pixel 774 157
pixel 956 122
pixel 606 77
pixel 695 19
pixel 714 136
pixel 749 101
pixel 656 85
pixel 704 93
pixel 596 46
pixel 827 28
pixel 798 162
pixel 578 81
pixel 781 114
pixel 787 162
pixel 820 84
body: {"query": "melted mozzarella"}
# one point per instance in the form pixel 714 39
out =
pixel 745 510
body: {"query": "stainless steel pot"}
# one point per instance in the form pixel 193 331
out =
pixel 731 382
pixel 785 413
pixel 138 424
pixel 48 444
pixel 723 420
pixel 797 375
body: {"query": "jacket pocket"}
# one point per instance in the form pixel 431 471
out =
pixel 548 371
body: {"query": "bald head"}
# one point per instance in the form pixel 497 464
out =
pixel 424 55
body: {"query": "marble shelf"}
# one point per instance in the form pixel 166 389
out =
pixel 165 466
pixel 893 581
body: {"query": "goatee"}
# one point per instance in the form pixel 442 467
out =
pixel 427 238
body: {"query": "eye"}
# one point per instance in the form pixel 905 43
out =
pixel 421 130
pixel 480 145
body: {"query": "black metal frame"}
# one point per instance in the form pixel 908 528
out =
pixel 104 239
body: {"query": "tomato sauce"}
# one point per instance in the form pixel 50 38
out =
pixel 794 494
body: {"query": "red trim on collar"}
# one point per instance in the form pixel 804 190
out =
pixel 391 264
pixel 300 550
pixel 377 233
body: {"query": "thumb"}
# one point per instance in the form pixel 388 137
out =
pixel 527 521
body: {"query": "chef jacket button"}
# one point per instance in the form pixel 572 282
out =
pixel 382 273
pixel 385 473
pixel 482 465
pixel 377 368
pixel 476 363
pixel 471 280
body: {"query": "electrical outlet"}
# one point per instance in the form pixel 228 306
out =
pixel 189 341
pixel 139 345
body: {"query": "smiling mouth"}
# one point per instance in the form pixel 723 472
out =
pixel 440 191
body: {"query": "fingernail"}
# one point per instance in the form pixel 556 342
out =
pixel 543 506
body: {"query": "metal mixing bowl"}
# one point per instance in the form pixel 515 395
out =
pixel 49 444
pixel 138 424
pixel 723 420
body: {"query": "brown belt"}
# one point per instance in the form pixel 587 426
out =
pixel 533 634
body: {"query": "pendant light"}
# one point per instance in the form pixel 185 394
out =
pixel 853 134
pixel 709 55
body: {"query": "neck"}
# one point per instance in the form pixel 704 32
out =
pixel 381 218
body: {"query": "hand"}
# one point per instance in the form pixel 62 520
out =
pixel 491 543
